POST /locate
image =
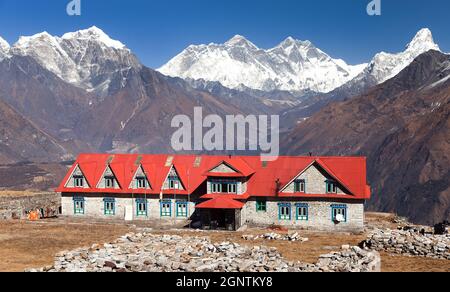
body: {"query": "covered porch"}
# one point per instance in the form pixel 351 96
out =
pixel 220 214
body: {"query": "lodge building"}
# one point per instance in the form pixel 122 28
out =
pixel 214 192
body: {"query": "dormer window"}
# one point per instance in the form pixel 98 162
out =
pixel 300 186
pixel 78 181
pixel 224 187
pixel 174 183
pixel 109 182
pixel 141 182
pixel 331 187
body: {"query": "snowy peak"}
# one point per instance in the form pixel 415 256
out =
pixel 94 34
pixel 293 65
pixel 88 58
pixel 384 66
pixel 423 39
pixel 4 45
pixel 4 49
pixel 291 42
pixel 240 41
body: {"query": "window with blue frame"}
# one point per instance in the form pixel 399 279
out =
pixel 79 205
pixel 300 186
pixel 166 208
pixel 284 211
pixel 109 206
pixel 339 213
pixel 331 187
pixel 182 209
pixel 302 212
pixel 141 207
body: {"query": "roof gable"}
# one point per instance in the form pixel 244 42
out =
pixel 140 172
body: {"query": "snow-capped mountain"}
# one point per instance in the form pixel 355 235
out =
pixel 4 48
pixel 89 58
pixel 384 65
pixel 293 65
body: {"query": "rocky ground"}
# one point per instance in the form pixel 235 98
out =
pixel 146 252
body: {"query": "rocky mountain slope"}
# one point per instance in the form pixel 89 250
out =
pixel 403 127
pixel 293 65
pixel 21 140
pixel 89 58
pixel 88 92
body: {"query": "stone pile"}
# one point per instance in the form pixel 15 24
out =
pixel 409 241
pixel 351 259
pixel 276 236
pixel 144 252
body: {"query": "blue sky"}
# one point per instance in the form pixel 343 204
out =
pixel 158 30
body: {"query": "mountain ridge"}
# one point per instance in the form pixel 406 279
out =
pixel 292 65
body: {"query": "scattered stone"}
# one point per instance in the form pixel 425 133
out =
pixel 146 252
pixel 276 236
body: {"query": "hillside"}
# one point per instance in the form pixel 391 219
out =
pixel 403 127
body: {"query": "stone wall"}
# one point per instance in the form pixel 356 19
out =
pixel 319 217
pixel 95 207
pixel 410 242
pixel 18 207
pixel 315 180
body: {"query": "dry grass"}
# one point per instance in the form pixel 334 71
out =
pixel 393 263
pixel 29 245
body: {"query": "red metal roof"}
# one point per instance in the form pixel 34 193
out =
pixel 350 172
pixel 220 203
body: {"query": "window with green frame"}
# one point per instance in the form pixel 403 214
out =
pixel 141 207
pixel 224 187
pixel 109 206
pixel 78 181
pixel 339 212
pixel 79 205
pixel 284 211
pixel 166 208
pixel 141 182
pixel 174 183
pixel 261 206
pixel 331 187
pixel 300 186
pixel 302 212
pixel 182 209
